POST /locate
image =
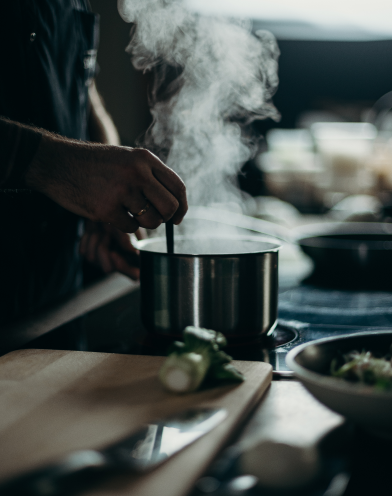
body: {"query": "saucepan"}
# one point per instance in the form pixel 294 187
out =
pixel 355 255
pixel 229 284
pixel 363 404
pixel 350 254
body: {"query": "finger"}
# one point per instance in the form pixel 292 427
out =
pixel 151 219
pixel 122 266
pixel 89 227
pixel 92 244
pixel 141 234
pixel 170 180
pixel 124 240
pixel 104 259
pixel 164 202
pixel 124 221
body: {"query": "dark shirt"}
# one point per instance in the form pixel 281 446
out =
pixel 18 145
pixel 47 60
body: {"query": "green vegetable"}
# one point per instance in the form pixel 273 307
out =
pixel 198 357
pixel 364 367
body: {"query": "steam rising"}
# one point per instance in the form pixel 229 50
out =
pixel 212 78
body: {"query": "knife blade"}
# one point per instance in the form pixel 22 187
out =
pixel 140 452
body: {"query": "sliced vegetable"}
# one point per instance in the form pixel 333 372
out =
pixel 198 357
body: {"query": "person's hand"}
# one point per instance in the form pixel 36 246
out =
pixel 109 184
pixel 110 249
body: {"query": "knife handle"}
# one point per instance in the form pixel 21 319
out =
pixel 63 477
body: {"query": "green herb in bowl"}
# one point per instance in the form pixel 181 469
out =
pixel 364 367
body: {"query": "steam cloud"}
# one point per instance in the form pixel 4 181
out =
pixel 212 78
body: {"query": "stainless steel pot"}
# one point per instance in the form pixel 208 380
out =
pixel 226 284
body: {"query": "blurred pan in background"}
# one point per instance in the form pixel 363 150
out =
pixel 355 255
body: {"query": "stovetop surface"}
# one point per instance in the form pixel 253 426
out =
pixel 305 313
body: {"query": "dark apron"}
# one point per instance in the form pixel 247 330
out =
pixel 47 61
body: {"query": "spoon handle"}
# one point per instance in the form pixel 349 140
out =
pixel 169 237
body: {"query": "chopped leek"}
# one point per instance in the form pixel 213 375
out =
pixel 198 357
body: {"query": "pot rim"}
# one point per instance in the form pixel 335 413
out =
pixel 274 247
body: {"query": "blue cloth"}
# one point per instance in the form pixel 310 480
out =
pixel 336 307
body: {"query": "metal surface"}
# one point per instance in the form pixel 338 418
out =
pixel 140 452
pixel 226 284
pixel 156 442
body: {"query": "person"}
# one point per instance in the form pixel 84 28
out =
pixel 61 161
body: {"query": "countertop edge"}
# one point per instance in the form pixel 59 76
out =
pixel 97 294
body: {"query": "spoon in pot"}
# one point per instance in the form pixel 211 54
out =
pixel 169 236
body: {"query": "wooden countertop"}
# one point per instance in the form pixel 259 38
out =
pixel 55 402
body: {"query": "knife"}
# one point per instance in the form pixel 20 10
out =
pixel 140 452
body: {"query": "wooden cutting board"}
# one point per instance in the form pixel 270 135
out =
pixel 53 402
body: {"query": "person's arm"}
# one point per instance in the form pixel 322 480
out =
pixel 107 183
pixel 100 182
pixel 104 183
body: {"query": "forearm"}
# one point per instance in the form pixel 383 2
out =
pixel 18 146
pixel 63 170
pixel 100 124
